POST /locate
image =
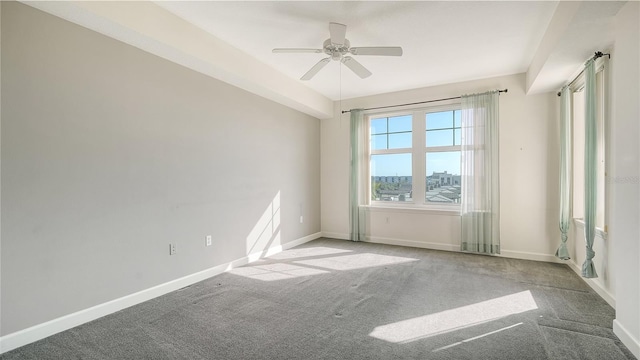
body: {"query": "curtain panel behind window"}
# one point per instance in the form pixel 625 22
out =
pixel 480 205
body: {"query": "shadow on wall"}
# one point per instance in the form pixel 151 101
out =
pixel 266 231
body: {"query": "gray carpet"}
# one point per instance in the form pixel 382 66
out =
pixel 334 299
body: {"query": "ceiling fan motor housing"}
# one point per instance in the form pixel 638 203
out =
pixel 336 51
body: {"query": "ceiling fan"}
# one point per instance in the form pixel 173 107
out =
pixel 337 46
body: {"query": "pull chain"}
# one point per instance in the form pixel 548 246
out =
pixel 340 92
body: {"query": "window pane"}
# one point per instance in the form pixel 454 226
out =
pixel 578 154
pixel 400 123
pixel 440 120
pixel 439 138
pixel 399 141
pixel 457 137
pixel 391 177
pixel 378 142
pixel 457 115
pixel 443 177
pixel 378 126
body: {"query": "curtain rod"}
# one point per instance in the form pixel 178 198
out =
pixel 598 54
pixel 416 103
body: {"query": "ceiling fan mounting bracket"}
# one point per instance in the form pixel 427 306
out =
pixel 336 51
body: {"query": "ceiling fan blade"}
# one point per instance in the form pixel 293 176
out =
pixel 314 70
pixel 380 50
pixel 356 67
pixel 338 32
pixel 282 51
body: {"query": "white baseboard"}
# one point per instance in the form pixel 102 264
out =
pixel 446 247
pixel 280 248
pixel 46 329
pixel 393 241
pixel 627 339
pixel 412 243
pixel 524 255
pixel 334 235
pixel 595 285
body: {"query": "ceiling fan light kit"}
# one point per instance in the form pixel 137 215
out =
pixel 337 47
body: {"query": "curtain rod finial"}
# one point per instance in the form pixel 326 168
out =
pixel 599 54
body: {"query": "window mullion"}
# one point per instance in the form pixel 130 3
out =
pixel 419 160
pixel 391 151
pixel 444 148
pixel 387 134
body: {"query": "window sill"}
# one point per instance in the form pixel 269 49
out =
pixel 599 232
pixel 414 209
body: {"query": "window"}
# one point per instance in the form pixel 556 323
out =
pixel 414 157
pixel 443 157
pixel 391 158
pixel 578 142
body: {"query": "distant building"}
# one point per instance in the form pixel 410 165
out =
pixel 442 187
pixel 392 179
pixel 443 179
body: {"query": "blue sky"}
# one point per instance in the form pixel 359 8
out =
pixel 394 133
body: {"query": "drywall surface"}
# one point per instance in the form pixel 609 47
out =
pixel 605 283
pixel 148 26
pixel 529 161
pixel 109 154
pixel 624 174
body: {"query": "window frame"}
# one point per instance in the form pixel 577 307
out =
pixel 602 110
pixel 418 153
pixel 370 152
pixel 445 148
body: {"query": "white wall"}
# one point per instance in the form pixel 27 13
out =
pixel 529 154
pixel 604 284
pixel 624 229
pixel 109 154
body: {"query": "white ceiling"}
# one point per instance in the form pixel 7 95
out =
pixel 443 42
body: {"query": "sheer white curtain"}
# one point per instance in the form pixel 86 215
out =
pixel 355 193
pixel 480 209
pixel 590 168
pixel 565 172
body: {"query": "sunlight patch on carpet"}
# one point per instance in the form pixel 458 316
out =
pixel 459 318
pixel 308 252
pixel 277 271
pixel 477 337
pixel 355 261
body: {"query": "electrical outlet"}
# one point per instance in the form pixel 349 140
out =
pixel 301 217
pixel 172 249
pixel 208 240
